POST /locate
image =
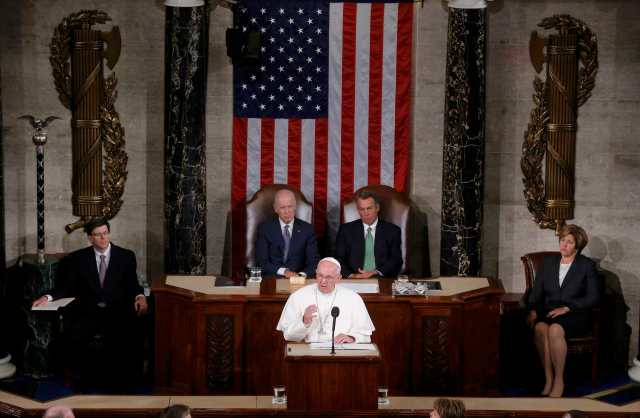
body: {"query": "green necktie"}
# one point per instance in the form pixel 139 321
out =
pixel 369 260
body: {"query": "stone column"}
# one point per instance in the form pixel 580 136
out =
pixel 186 50
pixel 463 145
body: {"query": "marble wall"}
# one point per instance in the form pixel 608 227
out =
pixel 608 154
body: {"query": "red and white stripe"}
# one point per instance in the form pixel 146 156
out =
pixel 365 138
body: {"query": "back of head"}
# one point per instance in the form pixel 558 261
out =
pixel 449 408
pixel 176 411
pixel 574 413
pixel 58 411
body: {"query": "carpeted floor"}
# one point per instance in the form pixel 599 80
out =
pixel 619 395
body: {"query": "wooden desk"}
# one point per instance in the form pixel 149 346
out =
pixel 345 380
pixel 228 344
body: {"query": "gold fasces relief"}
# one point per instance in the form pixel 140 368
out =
pixel 571 58
pixel 98 146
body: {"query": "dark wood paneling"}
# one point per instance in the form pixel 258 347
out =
pixel 264 348
pixel 174 343
pixel 341 383
pixel 393 337
pixel 481 323
pixel 435 345
pixel 220 353
pixel 218 360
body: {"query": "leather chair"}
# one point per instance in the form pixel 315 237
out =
pixel 260 208
pixel 395 207
pixel 587 344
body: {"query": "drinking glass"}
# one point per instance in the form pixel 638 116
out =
pixel 383 395
pixel 279 395
pixel 255 274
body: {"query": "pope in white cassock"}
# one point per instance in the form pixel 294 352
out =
pixel 307 313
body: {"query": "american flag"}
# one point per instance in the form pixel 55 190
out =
pixel 327 109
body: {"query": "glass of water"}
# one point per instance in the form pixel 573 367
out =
pixel 255 274
pixel 279 395
pixel 383 395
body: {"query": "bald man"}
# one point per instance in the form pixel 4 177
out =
pixel 285 245
pixel 307 314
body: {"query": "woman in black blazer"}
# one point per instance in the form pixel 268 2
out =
pixel 565 289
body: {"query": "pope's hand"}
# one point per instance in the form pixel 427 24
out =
pixel 343 338
pixel 308 314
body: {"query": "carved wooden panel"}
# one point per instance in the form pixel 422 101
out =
pixel 435 353
pixel 220 350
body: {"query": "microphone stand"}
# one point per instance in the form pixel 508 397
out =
pixel 335 311
pixel 333 332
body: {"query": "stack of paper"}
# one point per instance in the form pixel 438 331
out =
pixel 53 305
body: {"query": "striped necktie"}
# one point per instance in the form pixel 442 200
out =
pixel 102 272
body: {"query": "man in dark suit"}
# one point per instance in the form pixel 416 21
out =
pixel 286 245
pixel 369 246
pixel 105 343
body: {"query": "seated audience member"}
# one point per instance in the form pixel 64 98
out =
pixel 58 411
pixel 286 245
pixel 574 413
pixel 447 408
pixel 176 411
pixel 307 314
pixel 565 290
pixel 104 341
pixel 369 246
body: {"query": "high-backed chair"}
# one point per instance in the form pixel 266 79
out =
pixel 260 208
pixel 586 344
pixel 395 207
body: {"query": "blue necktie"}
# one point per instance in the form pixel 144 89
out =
pixel 287 241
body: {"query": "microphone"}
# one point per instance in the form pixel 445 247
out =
pixel 335 311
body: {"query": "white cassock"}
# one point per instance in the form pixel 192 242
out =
pixel 353 320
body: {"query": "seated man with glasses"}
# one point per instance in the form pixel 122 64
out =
pixel 103 328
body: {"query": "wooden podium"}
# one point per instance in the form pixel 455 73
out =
pixel 318 380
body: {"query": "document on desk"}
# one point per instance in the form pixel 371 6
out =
pixel 361 287
pixel 53 305
pixel 349 346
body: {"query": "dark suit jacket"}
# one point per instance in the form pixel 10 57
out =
pixel 79 279
pixel 303 249
pixel 580 289
pixel 106 311
pixel 387 252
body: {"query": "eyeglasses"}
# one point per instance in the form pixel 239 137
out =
pixel 100 234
